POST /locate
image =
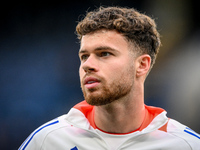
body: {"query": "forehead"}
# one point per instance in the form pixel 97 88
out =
pixel 110 38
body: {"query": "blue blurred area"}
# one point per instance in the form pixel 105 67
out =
pixel 39 64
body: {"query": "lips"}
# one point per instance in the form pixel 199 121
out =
pixel 91 82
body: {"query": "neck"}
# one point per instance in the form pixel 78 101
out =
pixel 121 116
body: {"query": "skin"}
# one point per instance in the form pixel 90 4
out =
pixel 108 61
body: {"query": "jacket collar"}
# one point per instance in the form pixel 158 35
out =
pixel 82 116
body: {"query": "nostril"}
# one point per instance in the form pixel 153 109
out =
pixel 88 69
pixel 92 69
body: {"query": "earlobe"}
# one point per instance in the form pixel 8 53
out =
pixel 144 63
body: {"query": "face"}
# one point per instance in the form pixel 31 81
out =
pixel 107 67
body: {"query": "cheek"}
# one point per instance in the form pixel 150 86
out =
pixel 123 71
pixel 81 73
pixel 116 73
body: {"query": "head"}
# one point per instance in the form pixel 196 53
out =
pixel 138 29
pixel 130 36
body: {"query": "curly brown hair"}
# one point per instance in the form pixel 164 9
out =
pixel 136 27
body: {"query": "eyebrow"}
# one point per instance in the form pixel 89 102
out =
pixel 100 48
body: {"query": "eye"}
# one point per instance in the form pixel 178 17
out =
pixel 84 57
pixel 104 54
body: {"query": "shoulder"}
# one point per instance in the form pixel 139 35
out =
pixel 37 137
pixel 185 133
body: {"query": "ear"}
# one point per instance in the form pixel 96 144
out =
pixel 143 65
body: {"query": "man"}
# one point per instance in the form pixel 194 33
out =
pixel 118 47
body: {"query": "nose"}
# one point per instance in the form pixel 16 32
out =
pixel 90 65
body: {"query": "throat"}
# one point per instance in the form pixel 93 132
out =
pixel 118 120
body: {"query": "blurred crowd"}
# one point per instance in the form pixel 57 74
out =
pixel 39 62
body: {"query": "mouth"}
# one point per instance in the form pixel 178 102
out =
pixel 91 82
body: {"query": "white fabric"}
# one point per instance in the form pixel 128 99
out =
pixel 113 141
pixel 73 132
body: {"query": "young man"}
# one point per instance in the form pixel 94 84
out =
pixel 118 47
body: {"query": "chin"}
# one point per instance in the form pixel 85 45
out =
pixel 99 100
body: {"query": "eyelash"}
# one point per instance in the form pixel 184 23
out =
pixel 84 57
pixel 101 54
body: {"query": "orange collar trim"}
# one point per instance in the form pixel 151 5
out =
pixel 150 113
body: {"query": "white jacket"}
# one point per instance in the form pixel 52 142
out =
pixel 77 131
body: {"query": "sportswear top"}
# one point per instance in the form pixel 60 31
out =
pixel 77 131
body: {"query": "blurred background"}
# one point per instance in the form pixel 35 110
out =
pixel 39 62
